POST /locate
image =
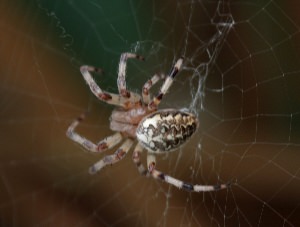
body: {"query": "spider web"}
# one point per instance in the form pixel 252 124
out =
pixel 240 76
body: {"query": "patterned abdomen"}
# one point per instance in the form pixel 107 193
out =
pixel 166 130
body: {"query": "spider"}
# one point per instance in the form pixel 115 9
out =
pixel 136 117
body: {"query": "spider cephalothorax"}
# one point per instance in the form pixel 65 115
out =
pixel 138 117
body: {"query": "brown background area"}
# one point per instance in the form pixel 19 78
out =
pixel 44 178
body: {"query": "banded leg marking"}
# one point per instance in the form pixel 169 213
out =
pixel 167 84
pixel 122 73
pixel 151 161
pixel 112 159
pixel 97 91
pixel 136 159
pixel 101 146
pixel 148 85
pixel 109 142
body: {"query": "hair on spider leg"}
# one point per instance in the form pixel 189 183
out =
pixel 151 128
pixel 90 68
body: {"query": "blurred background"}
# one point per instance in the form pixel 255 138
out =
pixel 241 77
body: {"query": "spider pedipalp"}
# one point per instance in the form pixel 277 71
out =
pixel 137 117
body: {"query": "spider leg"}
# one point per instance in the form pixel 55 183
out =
pixel 97 91
pixel 136 159
pixel 148 85
pixel 104 96
pixel 112 159
pixel 167 84
pixel 151 162
pixel 122 73
pixel 101 146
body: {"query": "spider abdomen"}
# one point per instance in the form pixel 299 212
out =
pixel 166 130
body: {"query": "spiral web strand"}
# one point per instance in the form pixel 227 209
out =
pixel 240 77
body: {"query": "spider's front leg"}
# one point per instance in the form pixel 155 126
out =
pixel 167 84
pixel 104 96
pixel 122 73
pixel 97 91
pixel 151 162
pixel 147 86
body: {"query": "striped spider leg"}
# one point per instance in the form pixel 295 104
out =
pixel 124 99
pixel 138 118
pixel 151 162
pixel 166 85
pixel 147 86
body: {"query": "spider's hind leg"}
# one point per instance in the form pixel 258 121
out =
pixel 136 159
pixel 151 162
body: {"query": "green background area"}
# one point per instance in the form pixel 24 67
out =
pixel 246 97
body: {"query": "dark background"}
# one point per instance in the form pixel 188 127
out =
pixel 249 112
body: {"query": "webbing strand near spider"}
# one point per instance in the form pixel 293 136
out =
pixel 138 117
